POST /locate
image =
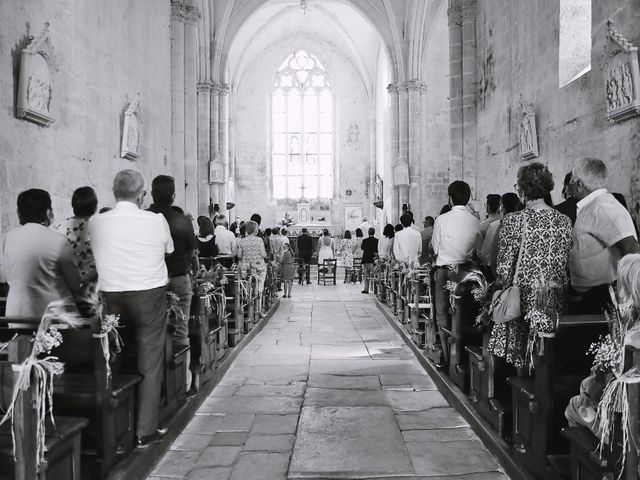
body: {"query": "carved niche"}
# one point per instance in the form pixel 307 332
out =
pixel 131 131
pixel 621 77
pixel 400 172
pixel 37 62
pixel 216 170
pixel 527 132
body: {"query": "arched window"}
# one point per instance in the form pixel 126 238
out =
pixel 574 53
pixel 302 129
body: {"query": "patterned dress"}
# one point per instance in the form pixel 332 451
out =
pixel 347 247
pixel 76 229
pixel 544 263
pixel 252 248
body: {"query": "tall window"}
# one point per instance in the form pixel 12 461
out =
pixel 302 126
pixel 574 55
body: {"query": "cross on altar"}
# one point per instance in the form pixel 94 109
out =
pixel 302 189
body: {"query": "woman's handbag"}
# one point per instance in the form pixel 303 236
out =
pixel 505 303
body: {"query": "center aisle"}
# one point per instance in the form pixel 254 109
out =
pixel 327 390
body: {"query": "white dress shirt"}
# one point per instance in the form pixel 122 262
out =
pixel 225 241
pixel 129 245
pixel 455 235
pixel 407 245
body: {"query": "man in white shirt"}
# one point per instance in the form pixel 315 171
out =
pixel 602 235
pixel 225 239
pixel 129 246
pixel 455 236
pixel 407 243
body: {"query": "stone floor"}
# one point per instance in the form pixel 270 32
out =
pixel 327 390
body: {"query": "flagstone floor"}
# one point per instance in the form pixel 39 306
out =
pixel 328 390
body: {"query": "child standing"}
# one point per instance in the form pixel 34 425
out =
pixel 286 269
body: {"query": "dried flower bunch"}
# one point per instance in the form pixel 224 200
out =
pixel 606 354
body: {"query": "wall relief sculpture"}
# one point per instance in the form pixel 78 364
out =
pixel 37 62
pixel 527 131
pixel 131 131
pixel 621 77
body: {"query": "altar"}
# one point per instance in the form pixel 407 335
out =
pixel 314 229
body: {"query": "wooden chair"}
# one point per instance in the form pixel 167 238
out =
pixel 62 441
pixel 327 270
pixel 235 320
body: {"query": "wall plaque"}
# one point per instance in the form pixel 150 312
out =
pixel 216 170
pixel 400 172
pixel 527 131
pixel 621 77
pixel 37 61
pixel 131 131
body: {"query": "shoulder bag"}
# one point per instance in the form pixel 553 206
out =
pixel 505 304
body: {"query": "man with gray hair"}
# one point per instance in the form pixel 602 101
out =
pixel 129 246
pixel 602 235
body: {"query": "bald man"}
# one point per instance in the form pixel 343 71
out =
pixel 129 246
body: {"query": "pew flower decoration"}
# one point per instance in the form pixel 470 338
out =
pixel 542 318
pixel 624 323
pixel 38 371
pixel 606 354
pixel 174 311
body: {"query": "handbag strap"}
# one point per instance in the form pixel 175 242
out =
pixel 520 250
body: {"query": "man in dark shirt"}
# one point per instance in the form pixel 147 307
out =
pixel 305 251
pixel 570 205
pixel 369 254
pixel 163 191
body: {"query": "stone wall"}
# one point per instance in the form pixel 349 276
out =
pixel 251 114
pixel 517 54
pixel 106 53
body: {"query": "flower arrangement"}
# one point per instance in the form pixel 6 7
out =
pixel 606 354
pixel 37 372
pixel 542 318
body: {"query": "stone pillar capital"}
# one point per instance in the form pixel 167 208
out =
pixel 204 86
pixel 177 10
pixel 222 88
pixel 469 8
pixel 415 85
pixel 454 12
pixel 191 14
pixel 392 88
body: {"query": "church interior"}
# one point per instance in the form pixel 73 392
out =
pixel 327 116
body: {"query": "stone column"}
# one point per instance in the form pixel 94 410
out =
pixel 469 93
pixel 214 140
pixel 192 14
pixel 204 145
pixel 455 90
pixel 232 155
pixel 371 211
pixel 177 97
pixel 394 130
pixel 403 135
pixel 223 125
pixel 416 89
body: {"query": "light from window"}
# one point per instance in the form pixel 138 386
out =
pixel 302 129
pixel 574 59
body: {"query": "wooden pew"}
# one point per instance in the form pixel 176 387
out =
pixel 587 461
pixel 539 401
pixel 62 441
pixel 235 320
pixel 488 388
pixel 419 307
pixel 85 389
pixel 205 335
pixel 401 298
pixel 463 331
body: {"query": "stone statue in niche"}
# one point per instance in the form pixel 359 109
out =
pixel 131 131
pixel 378 189
pixel 527 131
pixel 37 61
pixel 621 77
pixel 216 170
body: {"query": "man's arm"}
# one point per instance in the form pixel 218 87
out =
pixel 627 245
pixel 69 269
pixel 435 238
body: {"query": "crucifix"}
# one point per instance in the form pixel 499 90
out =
pixel 302 189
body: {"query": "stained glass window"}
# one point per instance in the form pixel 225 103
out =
pixel 302 129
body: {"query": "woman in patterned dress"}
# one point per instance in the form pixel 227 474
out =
pixel 347 247
pixel 543 266
pixel 85 204
pixel 251 253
